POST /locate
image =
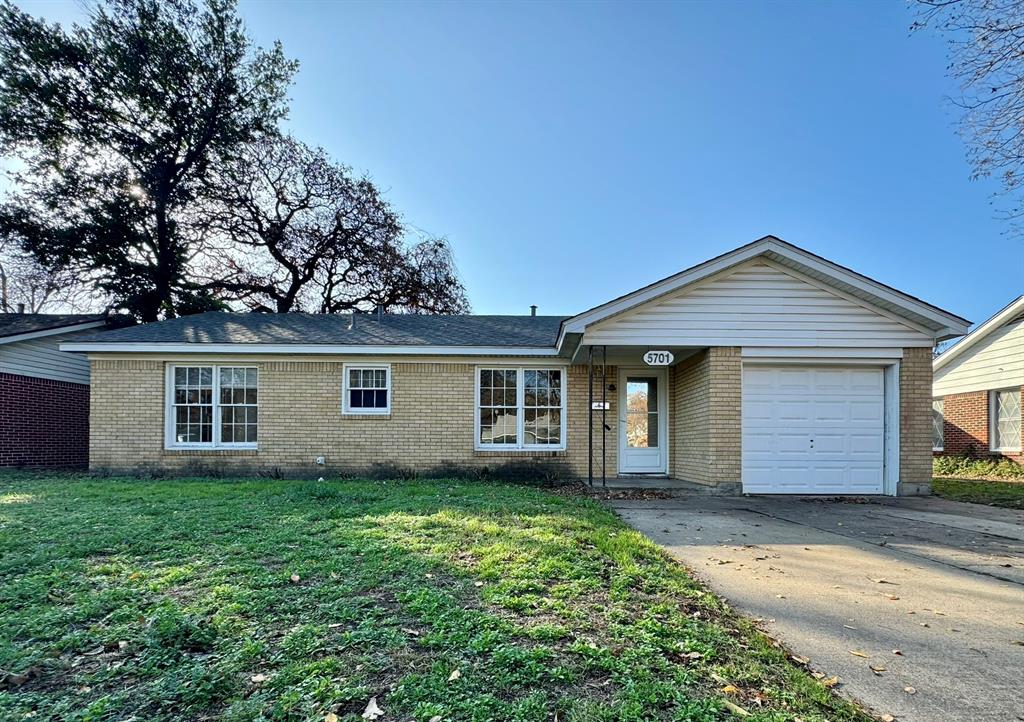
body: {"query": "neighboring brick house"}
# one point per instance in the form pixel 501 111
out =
pixel 976 406
pixel 44 392
pixel 767 369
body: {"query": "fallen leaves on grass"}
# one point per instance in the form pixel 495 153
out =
pixel 858 653
pixel 454 675
pixel 372 711
pixel 735 709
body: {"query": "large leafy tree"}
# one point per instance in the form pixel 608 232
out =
pixel 288 229
pixel 115 127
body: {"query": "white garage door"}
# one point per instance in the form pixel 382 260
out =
pixel 812 430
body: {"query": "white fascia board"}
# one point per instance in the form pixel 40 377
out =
pixel 578 323
pixel 947 323
pixel 942 318
pixel 297 348
pixel 1002 317
pixel 52 331
pixel 838 354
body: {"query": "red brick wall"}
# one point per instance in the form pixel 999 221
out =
pixel 43 423
pixel 967 425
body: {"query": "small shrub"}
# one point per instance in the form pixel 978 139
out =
pixel 965 466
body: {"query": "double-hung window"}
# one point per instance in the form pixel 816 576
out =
pixel 366 389
pixel 938 425
pixel 212 406
pixel 1004 433
pixel 520 407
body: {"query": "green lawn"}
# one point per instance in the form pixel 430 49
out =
pixel 273 600
pixel 994 493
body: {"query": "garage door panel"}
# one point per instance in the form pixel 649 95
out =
pixel 791 409
pixel 813 430
pixel 867 411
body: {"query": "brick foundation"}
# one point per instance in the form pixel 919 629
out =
pixel 43 423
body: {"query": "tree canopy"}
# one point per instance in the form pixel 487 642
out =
pixel 149 165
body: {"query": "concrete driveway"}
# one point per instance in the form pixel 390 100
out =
pixel 939 581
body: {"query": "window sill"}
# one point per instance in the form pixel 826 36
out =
pixel 1005 451
pixel 518 451
pixel 210 451
pixel 366 414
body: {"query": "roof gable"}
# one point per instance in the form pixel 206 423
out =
pixel 757 303
pixel 979 339
pixel 939 323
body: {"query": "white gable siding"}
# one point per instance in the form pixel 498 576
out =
pixel 995 362
pixel 757 304
pixel 41 358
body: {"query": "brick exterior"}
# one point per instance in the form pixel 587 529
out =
pixel 705 424
pixel 915 420
pixel 43 423
pixel 430 426
pixel 966 426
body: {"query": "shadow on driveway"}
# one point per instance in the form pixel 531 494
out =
pixel 939 581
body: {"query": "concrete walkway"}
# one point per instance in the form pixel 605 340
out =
pixel 941 582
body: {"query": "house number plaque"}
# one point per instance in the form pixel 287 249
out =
pixel 658 358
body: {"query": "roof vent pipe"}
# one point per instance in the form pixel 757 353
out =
pixel 21 308
pixel 533 310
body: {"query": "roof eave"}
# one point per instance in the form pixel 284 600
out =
pixel 304 348
pixel 55 330
pixel 998 320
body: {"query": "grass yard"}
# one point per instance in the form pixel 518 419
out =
pixel 274 600
pixel 1008 494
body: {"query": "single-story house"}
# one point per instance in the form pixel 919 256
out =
pixel 976 405
pixel 44 392
pixel 767 369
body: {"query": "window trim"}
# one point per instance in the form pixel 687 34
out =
pixel 943 413
pixel 347 410
pixel 169 421
pixel 993 419
pixel 520 370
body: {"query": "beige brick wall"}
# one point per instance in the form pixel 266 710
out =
pixel 430 425
pixel 705 400
pixel 689 401
pixel 916 418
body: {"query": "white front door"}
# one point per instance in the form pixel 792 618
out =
pixel 643 421
pixel 813 430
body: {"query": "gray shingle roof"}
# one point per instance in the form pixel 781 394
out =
pixel 342 329
pixel 15 324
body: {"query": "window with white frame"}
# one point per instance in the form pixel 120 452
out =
pixel 366 389
pixel 212 406
pixel 1005 429
pixel 520 408
pixel 938 425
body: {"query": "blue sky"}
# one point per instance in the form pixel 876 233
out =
pixel 573 152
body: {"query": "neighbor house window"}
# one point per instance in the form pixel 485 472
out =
pixel 212 406
pixel 367 389
pixel 520 408
pixel 1005 431
pixel 938 425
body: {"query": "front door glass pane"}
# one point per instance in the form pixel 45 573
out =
pixel 642 412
